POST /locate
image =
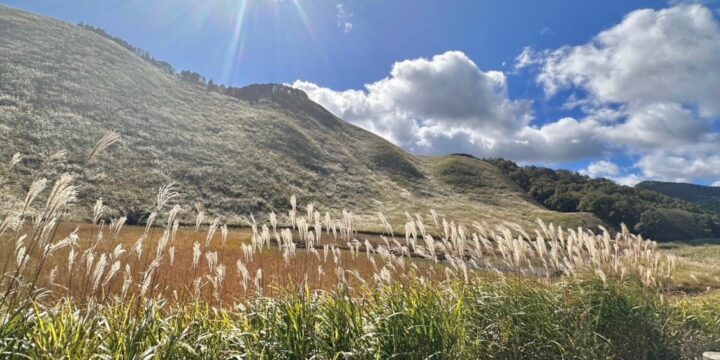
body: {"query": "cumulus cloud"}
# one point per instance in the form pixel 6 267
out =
pixel 671 165
pixel 669 55
pixel 659 125
pixel 652 86
pixel 646 88
pixel 425 104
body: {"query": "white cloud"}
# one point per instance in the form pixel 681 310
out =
pixel 446 104
pixel 427 104
pixel 609 170
pixel 717 183
pixel 670 165
pixel 659 125
pixel 602 168
pixel 528 57
pixel 652 85
pixel 343 18
pixel 648 88
pixel 629 180
pixel 670 55
pixel 682 2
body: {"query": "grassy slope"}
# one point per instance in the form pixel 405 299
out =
pixel 62 87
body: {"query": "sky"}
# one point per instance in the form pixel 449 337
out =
pixel 626 90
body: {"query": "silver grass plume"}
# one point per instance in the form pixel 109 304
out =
pixel 244 273
pixel 127 281
pixel 71 259
pixel 113 270
pixel 116 225
pixel 150 221
pixel 16 159
pixel 98 210
pixel 35 189
pixel 53 275
pixel 273 221
pixel 62 194
pixel 58 156
pixel 293 212
pixel 99 271
pixel 211 231
pixel 212 259
pixel 11 222
pixel 106 141
pixel 118 251
pixel 196 254
pixel 173 233
pixel 172 214
pixel 165 194
pixel 171 252
pixel 200 216
pixel 224 233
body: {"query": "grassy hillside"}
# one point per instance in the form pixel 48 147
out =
pixel 62 86
pixel 650 213
pixel 707 197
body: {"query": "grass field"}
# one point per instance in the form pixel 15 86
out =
pixel 698 268
pixel 176 275
pixel 303 284
pixel 325 291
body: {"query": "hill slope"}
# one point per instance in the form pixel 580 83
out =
pixel 62 87
pixel 707 197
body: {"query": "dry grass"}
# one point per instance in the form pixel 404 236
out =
pixel 428 283
pixel 175 277
pixel 49 258
pixel 98 262
pixel 697 267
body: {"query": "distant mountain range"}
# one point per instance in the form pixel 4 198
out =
pixel 707 197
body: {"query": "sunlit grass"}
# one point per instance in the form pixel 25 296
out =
pixel 301 284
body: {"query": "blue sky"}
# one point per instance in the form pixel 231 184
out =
pixel 534 81
pixel 279 47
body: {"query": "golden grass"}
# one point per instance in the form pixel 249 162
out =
pixel 49 258
pixel 698 269
pixel 174 280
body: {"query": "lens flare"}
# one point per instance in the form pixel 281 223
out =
pixel 237 40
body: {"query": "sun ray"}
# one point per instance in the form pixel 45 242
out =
pixel 237 39
pixel 304 18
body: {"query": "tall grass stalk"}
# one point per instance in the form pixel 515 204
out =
pixel 443 289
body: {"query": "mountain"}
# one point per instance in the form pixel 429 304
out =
pixel 707 197
pixel 650 213
pixel 63 86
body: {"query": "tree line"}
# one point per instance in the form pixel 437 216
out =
pixel 649 213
